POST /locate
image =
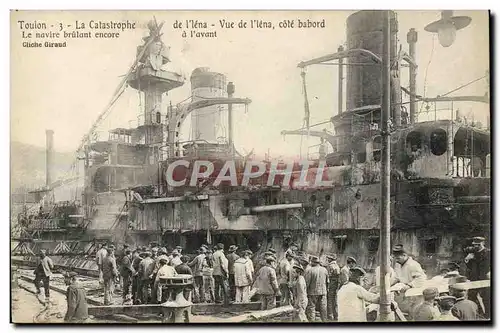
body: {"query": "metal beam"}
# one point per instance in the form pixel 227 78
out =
pixel 340 55
pixel 174 199
pixel 269 208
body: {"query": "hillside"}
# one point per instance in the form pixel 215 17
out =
pixel 27 165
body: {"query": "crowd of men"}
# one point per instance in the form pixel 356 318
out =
pixel 297 279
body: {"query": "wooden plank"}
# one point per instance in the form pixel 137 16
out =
pixel 443 288
pixel 127 310
pixel 258 315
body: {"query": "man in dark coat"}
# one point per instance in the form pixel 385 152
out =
pixel 183 268
pixel 464 309
pixel 109 274
pixel 478 268
pixel 427 310
pixel 316 278
pixel 333 286
pixel 127 272
pixel 77 311
pixel 43 272
pixel 136 260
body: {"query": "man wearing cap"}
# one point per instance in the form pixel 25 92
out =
pixel 197 267
pixel 284 274
pixel 427 311
pixel 127 272
pixel 243 277
pixel 352 297
pixel 146 268
pixel 446 303
pixel 316 281
pixel 478 268
pixel 109 275
pixel 464 309
pixel 300 293
pixel 43 272
pixel 231 258
pixel 333 270
pixel 344 272
pixel 220 275
pixel 407 270
pixel 76 298
pixel 267 284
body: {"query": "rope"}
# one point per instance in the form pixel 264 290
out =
pixel 427 70
pixel 464 85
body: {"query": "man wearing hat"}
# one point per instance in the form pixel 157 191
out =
pixel 464 309
pixel 333 270
pixel 231 258
pixel 352 297
pixel 179 249
pixel 208 278
pixel 76 298
pixel 407 270
pixel 109 274
pixel 300 293
pixel 344 272
pixel 43 272
pixel 127 272
pixel 284 273
pixel 220 275
pixel 316 281
pixel 478 268
pixel 146 268
pixel 197 267
pixel 176 260
pixel 136 260
pixel 243 277
pixel 427 310
pixel 446 303
pixel 266 284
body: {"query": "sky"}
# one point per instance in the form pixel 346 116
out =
pixel 66 89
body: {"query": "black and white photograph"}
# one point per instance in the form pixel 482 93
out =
pixel 250 166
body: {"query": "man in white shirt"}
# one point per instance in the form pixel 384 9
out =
pixel 164 272
pixel 352 296
pixel 407 270
pixel 243 277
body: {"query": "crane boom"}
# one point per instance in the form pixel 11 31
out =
pixel 119 90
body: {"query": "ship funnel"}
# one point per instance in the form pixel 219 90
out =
pixel 49 155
